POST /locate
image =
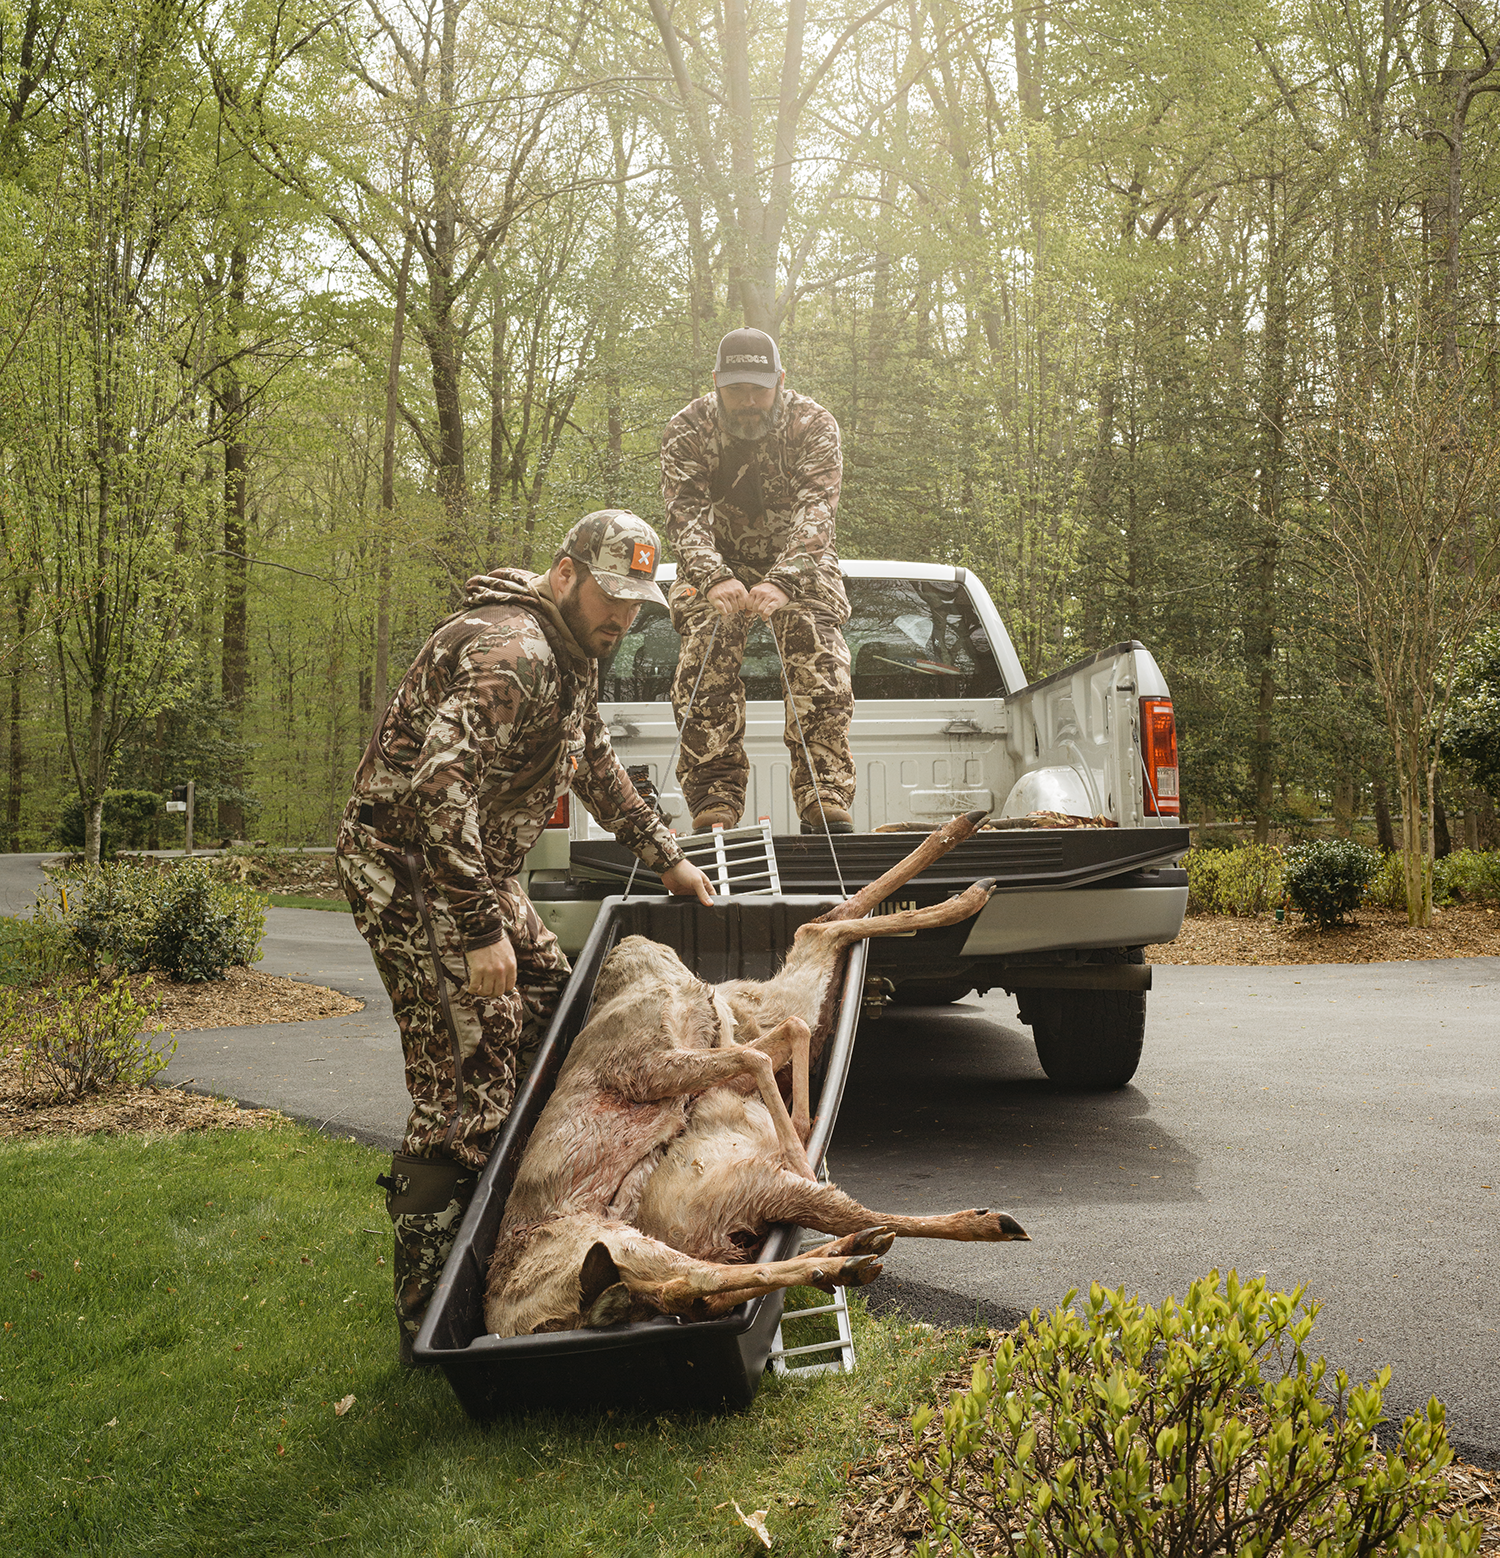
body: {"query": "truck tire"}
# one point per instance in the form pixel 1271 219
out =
pixel 932 992
pixel 1089 1039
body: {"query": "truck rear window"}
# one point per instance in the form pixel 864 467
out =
pixel 909 638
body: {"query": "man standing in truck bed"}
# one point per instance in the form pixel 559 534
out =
pixel 496 719
pixel 750 475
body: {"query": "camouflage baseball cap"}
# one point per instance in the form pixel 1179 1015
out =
pixel 621 551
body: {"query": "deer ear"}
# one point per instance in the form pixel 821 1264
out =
pixel 610 1308
pixel 597 1274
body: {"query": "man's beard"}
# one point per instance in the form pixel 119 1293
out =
pixel 572 615
pixel 749 427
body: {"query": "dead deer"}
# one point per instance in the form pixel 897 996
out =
pixel 667 1150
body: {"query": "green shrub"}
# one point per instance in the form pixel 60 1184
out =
pixel 1387 886
pixel 37 946
pixel 1192 1428
pixel 88 1040
pixel 126 823
pixel 1244 880
pixel 109 909
pixel 1466 876
pixel 203 926
pixel 181 920
pixel 1326 880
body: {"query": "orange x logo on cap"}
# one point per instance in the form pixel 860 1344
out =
pixel 644 558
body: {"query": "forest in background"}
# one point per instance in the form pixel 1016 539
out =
pixel 1173 322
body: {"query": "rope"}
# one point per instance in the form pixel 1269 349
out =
pixel 812 772
pixel 635 865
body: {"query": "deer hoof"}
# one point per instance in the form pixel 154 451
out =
pixel 870 1241
pixel 860 1270
pixel 998 1227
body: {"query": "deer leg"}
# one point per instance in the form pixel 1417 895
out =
pixel 792 1040
pixel 931 849
pixel 700 1287
pixel 829 1210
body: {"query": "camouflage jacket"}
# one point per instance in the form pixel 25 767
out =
pixel 496 719
pixel 755 511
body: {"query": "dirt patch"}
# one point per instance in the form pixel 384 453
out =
pixel 1377 936
pixel 882 1517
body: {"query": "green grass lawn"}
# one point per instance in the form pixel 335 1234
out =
pixel 182 1313
pixel 306 901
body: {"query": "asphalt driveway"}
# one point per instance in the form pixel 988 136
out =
pixel 1334 1125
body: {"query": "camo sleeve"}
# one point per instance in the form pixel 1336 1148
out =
pixel 815 463
pixel 686 490
pixel 496 678
pixel 602 784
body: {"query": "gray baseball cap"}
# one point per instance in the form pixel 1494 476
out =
pixel 748 357
pixel 621 550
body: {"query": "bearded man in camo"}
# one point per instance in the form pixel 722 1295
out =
pixel 751 475
pixel 494 722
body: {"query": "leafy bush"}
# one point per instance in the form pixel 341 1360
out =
pixel 203 926
pixel 88 1040
pixel 1192 1428
pixel 1465 876
pixel 181 920
pixel 1326 880
pixel 1387 886
pixel 109 910
pixel 1244 880
pixel 126 824
pixel 37 946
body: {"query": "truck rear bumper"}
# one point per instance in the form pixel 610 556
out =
pixel 1080 917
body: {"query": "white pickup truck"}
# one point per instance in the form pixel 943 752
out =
pixel 945 722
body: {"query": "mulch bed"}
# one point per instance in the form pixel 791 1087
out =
pixel 1377 936
pixel 882 1517
pixel 243 996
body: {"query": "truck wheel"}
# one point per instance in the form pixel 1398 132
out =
pixel 1089 1039
pixel 932 992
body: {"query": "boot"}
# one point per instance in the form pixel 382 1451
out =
pixel 837 818
pixel 716 812
pixel 426 1199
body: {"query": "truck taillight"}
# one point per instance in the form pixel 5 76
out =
pixel 1159 753
pixel 559 817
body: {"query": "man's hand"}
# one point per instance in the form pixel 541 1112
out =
pixel 685 878
pixel 730 596
pixel 492 969
pixel 766 598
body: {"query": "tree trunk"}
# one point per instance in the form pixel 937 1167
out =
pixel 17 762
pixel 234 676
pixel 1385 834
pixel 380 692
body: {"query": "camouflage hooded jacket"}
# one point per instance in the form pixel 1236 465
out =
pixel 755 511
pixel 496 719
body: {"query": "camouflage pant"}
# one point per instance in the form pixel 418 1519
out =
pixel 712 766
pixel 498 1035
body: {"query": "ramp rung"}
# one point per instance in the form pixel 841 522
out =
pixel 843 1343
pixel 733 857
